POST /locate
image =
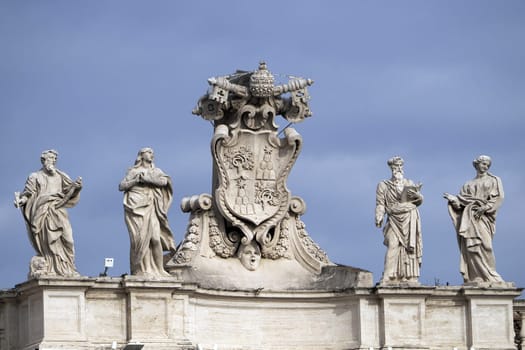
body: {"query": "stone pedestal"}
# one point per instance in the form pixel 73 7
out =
pixel 519 323
pixel 447 317
pixel 403 316
pixel 92 313
pixel 489 313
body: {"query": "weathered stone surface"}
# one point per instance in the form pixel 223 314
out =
pixel 229 274
pixel 519 323
pixel 169 313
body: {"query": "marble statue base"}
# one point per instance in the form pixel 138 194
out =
pixel 93 313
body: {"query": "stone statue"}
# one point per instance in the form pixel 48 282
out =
pixel 473 213
pixel 47 194
pixel 148 195
pixel 399 198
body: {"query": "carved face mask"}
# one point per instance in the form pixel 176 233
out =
pixel 250 257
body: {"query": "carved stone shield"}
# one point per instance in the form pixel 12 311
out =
pixel 253 168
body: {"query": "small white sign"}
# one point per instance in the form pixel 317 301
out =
pixel 108 262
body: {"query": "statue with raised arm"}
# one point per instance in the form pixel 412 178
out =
pixel 398 199
pixel 47 194
pixel 473 212
pixel 147 196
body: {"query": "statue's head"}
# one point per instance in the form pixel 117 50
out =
pixel 249 255
pixel 48 159
pixel 49 154
pixel 145 155
pixel 396 165
pixel 483 161
pixel 261 82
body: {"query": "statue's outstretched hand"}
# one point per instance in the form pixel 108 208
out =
pixel 453 200
pixel 78 182
pixel 19 201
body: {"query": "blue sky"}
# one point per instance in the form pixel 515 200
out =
pixel 437 82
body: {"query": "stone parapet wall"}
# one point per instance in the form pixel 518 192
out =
pixel 519 323
pixel 92 313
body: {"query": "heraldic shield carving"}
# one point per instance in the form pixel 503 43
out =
pixel 252 170
pixel 251 162
pixel 251 214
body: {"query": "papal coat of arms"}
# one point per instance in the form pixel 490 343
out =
pixel 250 204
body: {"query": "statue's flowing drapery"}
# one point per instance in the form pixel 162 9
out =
pixel 146 209
pixel 403 228
pixel 475 235
pixel 47 221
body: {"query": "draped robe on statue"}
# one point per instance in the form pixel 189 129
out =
pixel 475 235
pixel 146 207
pixel 402 232
pixel 47 220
